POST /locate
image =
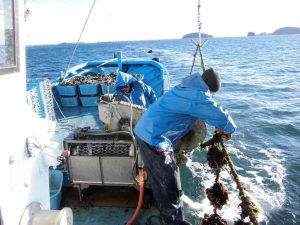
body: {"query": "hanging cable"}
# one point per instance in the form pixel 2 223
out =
pixel 198 44
pixel 80 37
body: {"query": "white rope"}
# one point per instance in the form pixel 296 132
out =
pixel 80 35
pixel 97 66
pixel 58 106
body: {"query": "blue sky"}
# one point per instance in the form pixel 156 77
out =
pixel 55 21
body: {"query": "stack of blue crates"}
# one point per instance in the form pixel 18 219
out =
pixel 89 94
pixel 68 95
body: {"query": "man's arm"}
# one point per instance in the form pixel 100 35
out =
pixel 213 114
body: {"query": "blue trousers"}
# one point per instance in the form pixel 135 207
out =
pixel 165 183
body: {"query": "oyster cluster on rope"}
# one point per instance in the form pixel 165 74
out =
pixel 247 207
pixel 217 195
pixel 217 158
pixel 213 219
pixel 241 222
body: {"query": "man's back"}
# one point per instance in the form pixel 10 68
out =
pixel 139 93
pixel 174 114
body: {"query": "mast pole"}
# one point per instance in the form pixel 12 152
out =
pixel 198 44
pixel 199 24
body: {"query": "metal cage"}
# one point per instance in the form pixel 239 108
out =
pixel 101 158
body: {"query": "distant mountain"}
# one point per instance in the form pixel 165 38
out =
pixel 280 31
pixel 196 35
pixel 287 30
pixel 251 33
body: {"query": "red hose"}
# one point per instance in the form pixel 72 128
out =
pixel 141 195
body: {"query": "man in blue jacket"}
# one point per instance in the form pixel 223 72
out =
pixel 164 123
pixel 130 88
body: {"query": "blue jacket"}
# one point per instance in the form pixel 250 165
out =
pixel 141 93
pixel 175 113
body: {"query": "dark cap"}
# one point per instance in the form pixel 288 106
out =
pixel 212 79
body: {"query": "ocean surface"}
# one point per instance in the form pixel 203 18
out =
pixel 260 89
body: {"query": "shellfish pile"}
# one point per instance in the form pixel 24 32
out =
pixel 91 78
pixel 95 78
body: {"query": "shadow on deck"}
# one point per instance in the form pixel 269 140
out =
pixel 99 196
pixel 108 205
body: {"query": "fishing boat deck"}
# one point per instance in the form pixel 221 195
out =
pixel 103 196
pixel 107 205
pixel 110 198
pixel 75 117
pixel 79 117
pixel 101 205
pixel 108 216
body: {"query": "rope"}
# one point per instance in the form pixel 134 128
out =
pixel 202 61
pixel 80 36
pixel 98 66
pixel 249 209
pixel 58 106
pixel 246 202
pixel 198 48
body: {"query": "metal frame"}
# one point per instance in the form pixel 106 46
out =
pixel 15 21
pixel 105 170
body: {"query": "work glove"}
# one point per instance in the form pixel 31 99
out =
pixel 169 157
pixel 218 137
pixel 224 136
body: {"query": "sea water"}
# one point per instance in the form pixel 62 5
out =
pixel 260 89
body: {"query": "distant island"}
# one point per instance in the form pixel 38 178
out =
pixel 280 31
pixel 196 35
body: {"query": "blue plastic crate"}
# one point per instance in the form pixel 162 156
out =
pixel 89 101
pixel 55 185
pixel 108 89
pixel 67 90
pixel 69 101
pixel 112 88
pixel 89 89
pixel 103 88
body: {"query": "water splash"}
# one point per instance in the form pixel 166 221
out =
pixel 262 178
